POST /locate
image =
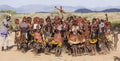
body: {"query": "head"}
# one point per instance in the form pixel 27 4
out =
pixel 48 19
pixel 41 21
pixel 106 14
pixel 97 19
pixel 8 17
pixel 102 20
pixel 57 31
pixel 24 19
pixel 71 17
pixel 73 33
pixel 36 19
pixel 16 21
pixel 56 18
pixel 94 19
pixel 29 19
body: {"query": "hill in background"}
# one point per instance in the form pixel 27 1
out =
pixel 37 8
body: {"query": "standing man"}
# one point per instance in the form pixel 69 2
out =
pixel 116 38
pixel 4 31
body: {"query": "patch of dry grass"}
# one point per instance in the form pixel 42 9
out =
pixel 113 17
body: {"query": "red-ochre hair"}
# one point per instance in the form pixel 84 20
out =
pixel 16 21
pixel 36 19
pixel 41 21
pixel 24 19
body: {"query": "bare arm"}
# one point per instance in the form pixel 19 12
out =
pixel 106 17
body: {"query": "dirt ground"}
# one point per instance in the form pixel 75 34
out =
pixel 15 55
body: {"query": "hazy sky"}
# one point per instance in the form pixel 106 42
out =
pixel 84 3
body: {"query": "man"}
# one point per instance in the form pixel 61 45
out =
pixel 116 38
pixel 4 31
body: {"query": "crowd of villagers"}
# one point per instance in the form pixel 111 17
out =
pixel 75 35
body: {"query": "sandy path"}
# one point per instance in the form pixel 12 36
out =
pixel 14 55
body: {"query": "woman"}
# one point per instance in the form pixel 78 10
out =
pixel 30 30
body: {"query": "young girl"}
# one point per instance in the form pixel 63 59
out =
pixel 17 30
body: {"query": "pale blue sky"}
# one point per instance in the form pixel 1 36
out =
pixel 84 3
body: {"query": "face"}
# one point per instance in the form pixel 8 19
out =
pixel 8 18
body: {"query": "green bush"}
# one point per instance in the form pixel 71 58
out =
pixel 8 11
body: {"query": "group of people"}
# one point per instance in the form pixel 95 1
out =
pixel 75 35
